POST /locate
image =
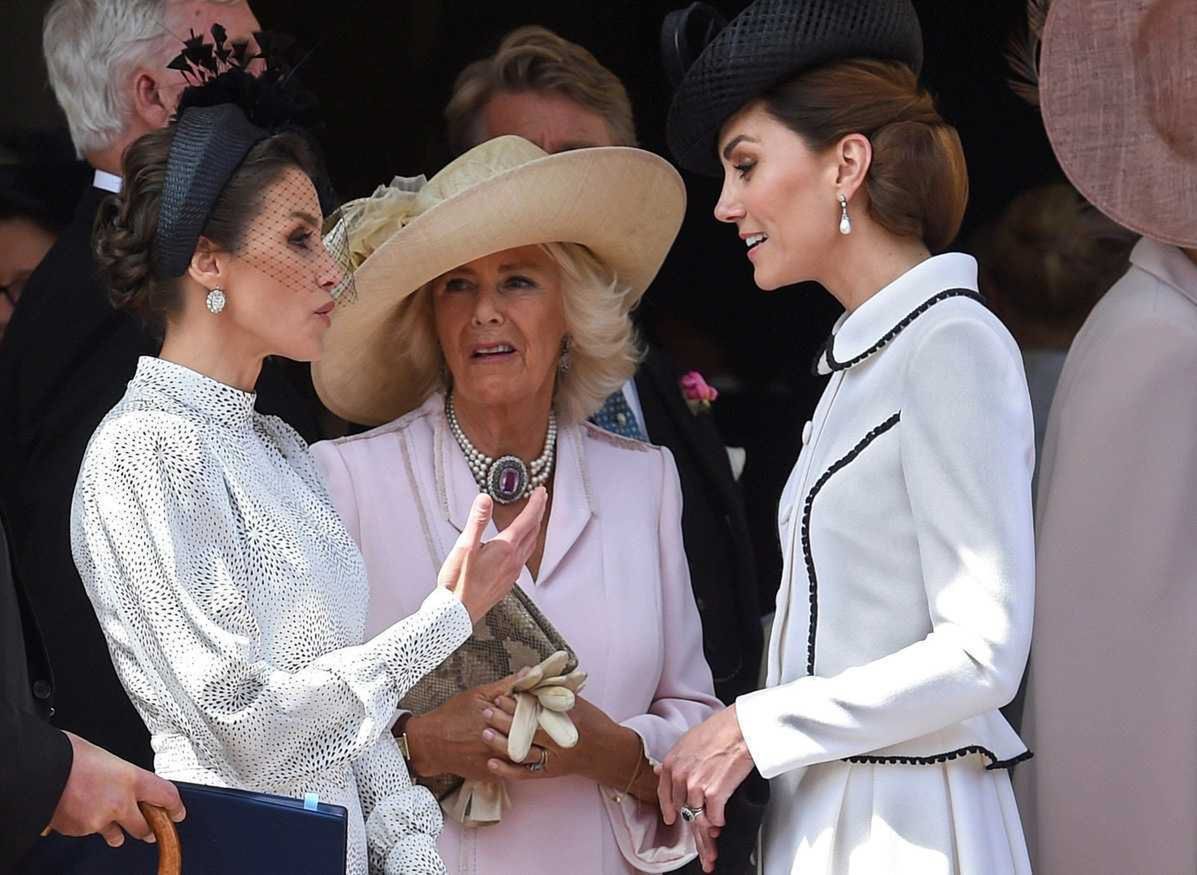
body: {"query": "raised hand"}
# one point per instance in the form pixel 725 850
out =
pixel 101 796
pixel 480 575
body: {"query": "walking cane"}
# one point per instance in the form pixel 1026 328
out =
pixel 170 853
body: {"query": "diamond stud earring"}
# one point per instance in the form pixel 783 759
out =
pixel 845 222
pixel 215 301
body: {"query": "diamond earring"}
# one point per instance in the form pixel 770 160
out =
pixel 215 301
pixel 845 222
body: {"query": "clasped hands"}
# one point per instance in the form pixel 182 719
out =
pixel 467 736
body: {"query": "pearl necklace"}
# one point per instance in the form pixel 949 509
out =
pixel 505 479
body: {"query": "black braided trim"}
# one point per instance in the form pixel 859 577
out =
pixel 994 762
pixel 826 349
pixel 806 553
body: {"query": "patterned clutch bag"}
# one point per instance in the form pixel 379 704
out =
pixel 513 635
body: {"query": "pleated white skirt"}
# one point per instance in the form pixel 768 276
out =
pixel 954 818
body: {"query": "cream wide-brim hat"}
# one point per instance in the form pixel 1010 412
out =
pixel 625 205
pixel 1118 90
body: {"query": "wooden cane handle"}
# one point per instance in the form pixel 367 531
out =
pixel 170 853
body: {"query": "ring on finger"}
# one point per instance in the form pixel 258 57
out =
pixel 690 814
pixel 542 763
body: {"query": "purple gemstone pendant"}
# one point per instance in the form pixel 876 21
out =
pixel 507 479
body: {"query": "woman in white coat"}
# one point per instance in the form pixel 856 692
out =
pixel 904 614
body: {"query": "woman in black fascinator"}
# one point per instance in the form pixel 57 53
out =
pixel 231 595
pixel 904 612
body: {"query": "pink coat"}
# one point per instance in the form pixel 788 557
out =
pixel 613 580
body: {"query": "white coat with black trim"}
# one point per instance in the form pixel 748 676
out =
pixel 904 614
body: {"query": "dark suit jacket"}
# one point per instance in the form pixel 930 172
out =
pixel 722 570
pixel 65 360
pixel 35 758
pixel 714 529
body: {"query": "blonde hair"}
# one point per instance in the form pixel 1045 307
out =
pixel 604 349
pixel 534 58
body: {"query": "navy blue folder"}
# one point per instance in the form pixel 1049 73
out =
pixel 227 832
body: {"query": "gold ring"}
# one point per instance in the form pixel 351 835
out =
pixel 539 765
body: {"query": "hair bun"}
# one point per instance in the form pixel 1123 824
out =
pixel 122 257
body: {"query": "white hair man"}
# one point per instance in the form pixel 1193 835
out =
pixel 67 354
pixel 106 61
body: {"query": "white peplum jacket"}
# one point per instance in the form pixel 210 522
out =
pixel 904 614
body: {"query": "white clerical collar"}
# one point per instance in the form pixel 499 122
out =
pixel 107 181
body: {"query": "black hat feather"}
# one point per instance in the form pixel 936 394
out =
pixel 220 117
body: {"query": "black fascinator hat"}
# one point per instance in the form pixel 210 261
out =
pixel 221 116
pixel 766 44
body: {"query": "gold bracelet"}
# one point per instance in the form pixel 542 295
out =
pixel 618 797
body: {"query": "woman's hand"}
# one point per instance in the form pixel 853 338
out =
pixel 448 740
pixel 702 771
pixel 606 752
pixel 480 575
pixel 704 768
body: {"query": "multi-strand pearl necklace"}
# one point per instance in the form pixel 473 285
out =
pixel 505 479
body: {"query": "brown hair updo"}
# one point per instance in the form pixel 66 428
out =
pixel 917 184
pixel 127 224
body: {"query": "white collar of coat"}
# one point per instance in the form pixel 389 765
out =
pixel 868 328
pixel 1167 264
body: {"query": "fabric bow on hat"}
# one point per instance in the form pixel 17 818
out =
pixel 360 226
pixel 543 699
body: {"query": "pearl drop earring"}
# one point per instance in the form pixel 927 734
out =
pixel 845 222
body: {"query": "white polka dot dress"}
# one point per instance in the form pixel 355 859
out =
pixel 233 601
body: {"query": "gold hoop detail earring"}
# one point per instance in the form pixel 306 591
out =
pixel 845 221
pixel 215 301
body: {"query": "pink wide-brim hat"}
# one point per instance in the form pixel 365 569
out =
pixel 1118 89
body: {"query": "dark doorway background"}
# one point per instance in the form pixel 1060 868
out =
pixel 384 69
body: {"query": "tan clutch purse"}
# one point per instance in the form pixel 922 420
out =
pixel 513 635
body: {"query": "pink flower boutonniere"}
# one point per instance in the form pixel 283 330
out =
pixel 697 392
